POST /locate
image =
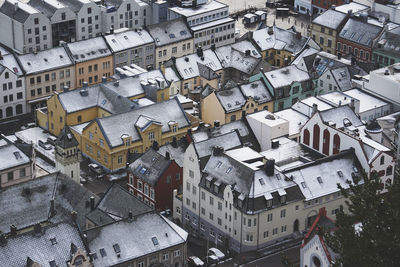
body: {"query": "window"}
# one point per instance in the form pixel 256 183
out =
pixel 151 136
pixel 165 256
pixel 119 159
pixel 275 231
pixel 295 89
pixel 269 217
pixel 140 185
pixel 36 21
pixel 382 160
pixel 211 201
pixel 177 253
pixel 249 237
pixel 203 211
pixel 233 117
pixel 219 221
pixel 10 176
pixel 191 174
pixel 266 233
pixel 211 216
pixel 283 228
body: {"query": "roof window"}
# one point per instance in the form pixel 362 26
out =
pixel 154 240
pixel 319 179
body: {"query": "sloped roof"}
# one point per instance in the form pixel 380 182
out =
pixel 128 39
pixel 150 166
pixel 360 32
pixel 169 32
pixel 17 10
pixel 227 141
pixel 11 156
pixel 330 19
pixel 66 139
pixel 338 114
pixel 88 49
pixel 286 76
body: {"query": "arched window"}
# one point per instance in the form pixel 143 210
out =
pixel 9 112
pixel 306 137
pixel 6 75
pixel 316 261
pixel 18 109
pixel 316 134
pixel 326 142
pixel 336 144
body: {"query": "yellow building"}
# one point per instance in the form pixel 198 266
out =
pixel 232 104
pixel 279 47
pixel 108 140
pixel 93 60
pixel 325 28
pixel 172 39
pixel 82 106
pixel 46 72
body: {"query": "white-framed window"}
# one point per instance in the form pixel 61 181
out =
pixel 283 213
pixel 141 264
pixel 165 256
pixel 212 233
pixel 187 217
pixel 140 185
pixel 275 231
pixel 269 217
pixel 119 159
pixel 101 141
pixel 151 136
pixel 249 237
pixel 146 189
pixel 177 253
pixel 283 228
pixel 266 233
pixel 202 227
pixel 178 210
pixel 90 135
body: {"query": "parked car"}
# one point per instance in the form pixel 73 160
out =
pixel 45 145
pixel 216 252
pixel 96 169
pixel 194 261
pixel 51 140
pixel 83 180
pixel 210 259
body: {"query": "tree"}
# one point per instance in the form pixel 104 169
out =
pixel 377 241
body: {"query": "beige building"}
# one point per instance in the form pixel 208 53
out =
pixel 15 166
pixel 232 104
pixel 172 39
pixel 93 60
pixel 326 27
pixel 46 72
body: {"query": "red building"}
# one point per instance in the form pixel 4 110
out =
pixel 152 178
pixel 320 6
pixel 356 39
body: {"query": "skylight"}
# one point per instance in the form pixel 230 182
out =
pixel 319 180
pixel 303 184
pixel 340 173
pixel 219 164
pixel 103 252
pixel 117 249
pixel 17 155
pixel 261 180
pixel 143 170
pixel 229 170
pixel 278 176
pixel 154 240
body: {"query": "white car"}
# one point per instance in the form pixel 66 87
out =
pixel 216 252
pixel 195 261
pixel 95 168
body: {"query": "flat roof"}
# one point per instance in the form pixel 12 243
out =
pixel 367 101
pixel 187 12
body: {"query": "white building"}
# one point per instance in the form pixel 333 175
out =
pixel 23 28
pixel 12 82
pixel 303 6
pixel 210 23
pixel 131 47
pixel 132 14
pixel 266 126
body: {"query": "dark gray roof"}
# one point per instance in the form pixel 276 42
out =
pixel 176 152
pixel 390 42
pixel 74 5
pixel 130 123
pixel 360 32
pixel 150 166
pixel 28 203
pixel 119 202
pixel 66 139
pixel 134 238
pixel 339 114
pixel 40 248
pixel 330 19
pixel 44 7
pixel 227 141
pixel 21 14
pixel 169 32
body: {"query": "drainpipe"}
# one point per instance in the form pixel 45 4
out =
pixel 241 231
pixel 258 230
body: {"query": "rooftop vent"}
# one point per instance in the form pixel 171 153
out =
pixel 270 117
pixel 84 92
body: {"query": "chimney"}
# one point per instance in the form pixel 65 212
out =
pixel 247 53
pixel 116 83
pixel 217 151
pixel 103 79
pixel 155 146
pixel 213 48
pixel 74 216
pixel 314 109
pixel 92 203
pixel 275 143
pixel 199 51
pixel 216 123
pixel 270 167
pixel 84 84
pixel 339 55
pixel 352 104
pixel 174 143
pixel 66 89
pixel 130 215
pixel 167 156
pixel 271 30
pixel 298 35
pixel 13 230
pixel 350 12
pixel 37 228
pixel 112 30
pixel 52 210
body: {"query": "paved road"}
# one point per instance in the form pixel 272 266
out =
pixel 274 260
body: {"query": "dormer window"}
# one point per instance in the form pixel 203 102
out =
pixel 283 199
pixel 208 182
pixel 269 203
pixel 216 186
pixel 127 142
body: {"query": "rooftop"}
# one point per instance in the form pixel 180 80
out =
pixel 330 19
pixel 11 63
pixel 391 72
pixel 367 101
pixel 47 7
pixel 353 6
pixel 188 12
pixel 21 13
pixel 231 99
pixel 89 49
pixel 227 141
pixel 338 116
pixel 359 32
pixel 286 76
pixel 296 120
pixel 130 123
pixel 128 39
pixel 125 240
pixel 45 60
pixel 11 156
pixel 169 32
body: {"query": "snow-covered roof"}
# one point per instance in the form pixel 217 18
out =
pixel 339 114
pixel 360 32
pixel 52 245
pixel 169 32
pixel 234 56
pixel 244 154
pixel 20 14
pixel 330 19
pixel 46 60
pixel 353 6
pixel 286 76
pixel 296 119
pixel 89 49
pixel 113 127
pixel 256 90
pixel 227 141
pixel 11 63
pixel 310 101
pixel 171 75
pixel 145 234
pixel 188 12
pixel 231 99
pixel 367 101
pixel 188 66
pixel 11 156
pixel 46 7
pixel 128 39
pixel 337 98
pixel 321 178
